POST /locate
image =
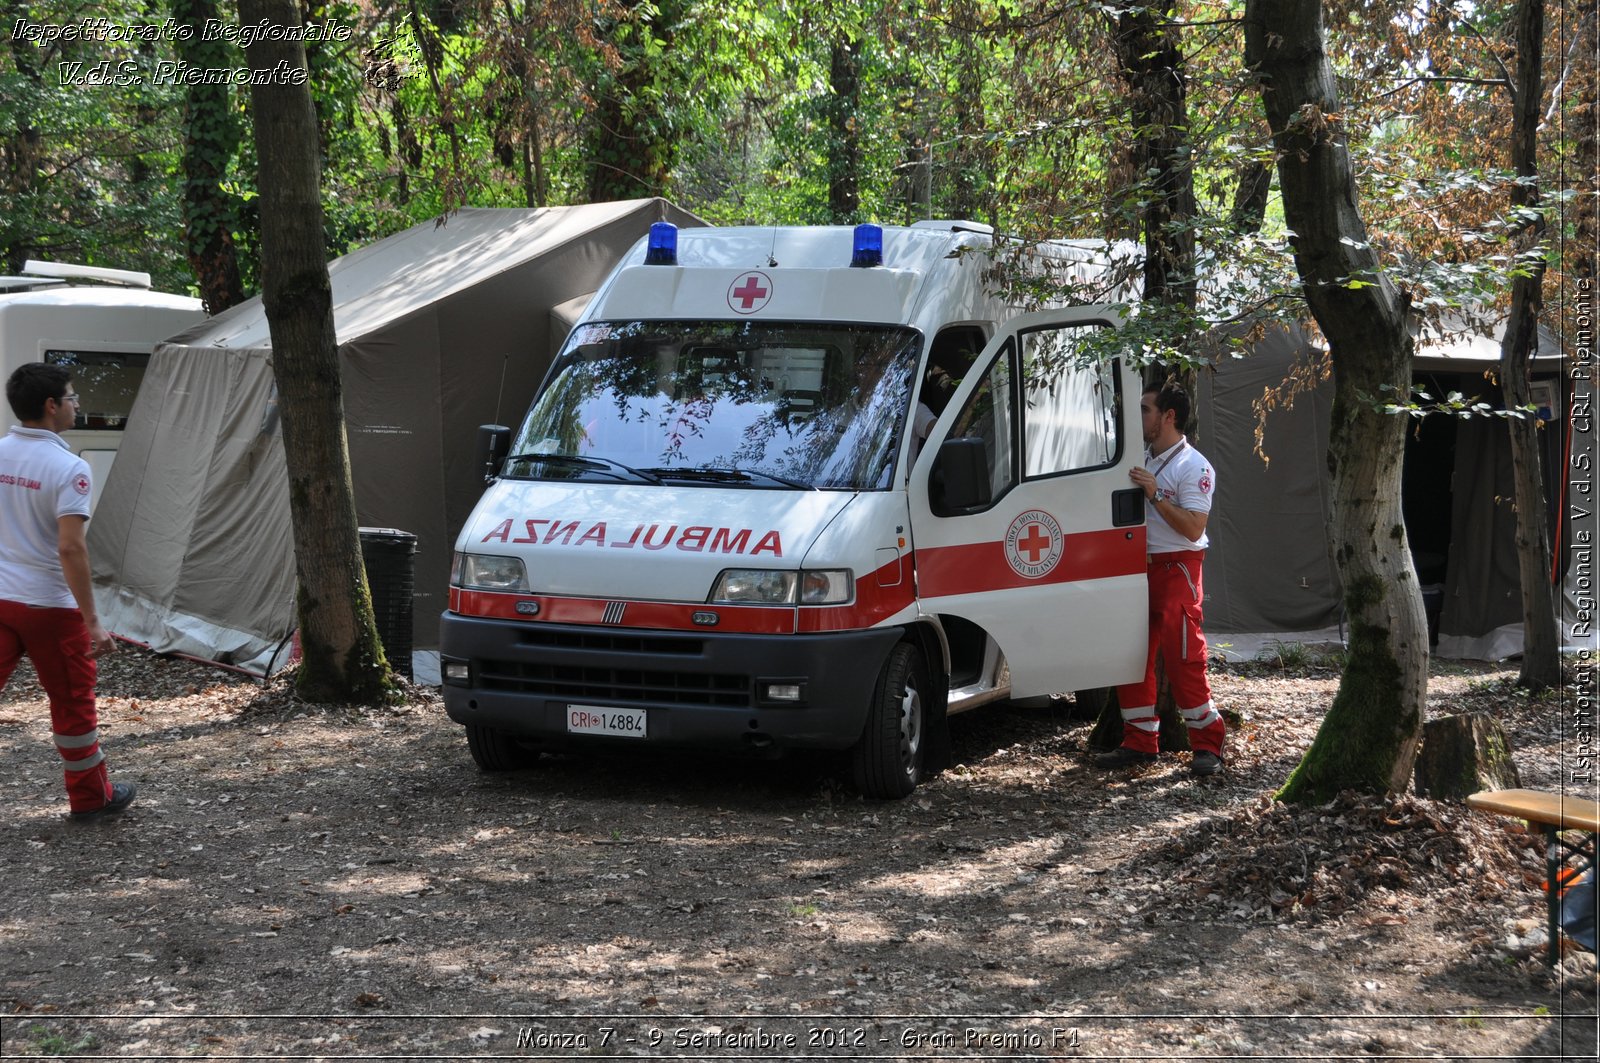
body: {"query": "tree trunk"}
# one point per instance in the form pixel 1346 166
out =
pixel 973 171
pixel 1146 44
pixel 633 144
pixel 20 157
pixel 1582 258
pixel 1368 740
pixel 211 137
pixel 343 660
pixel 844 138
pixel 1249 211
pixel 533 161
pixel 1541 648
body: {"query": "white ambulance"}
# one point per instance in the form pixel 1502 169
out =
pixel 801 488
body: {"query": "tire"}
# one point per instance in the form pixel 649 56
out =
pixel 887 760
pixel 498 751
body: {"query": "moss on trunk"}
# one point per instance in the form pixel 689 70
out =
pixel 1362 736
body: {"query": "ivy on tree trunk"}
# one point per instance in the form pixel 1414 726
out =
pixel 633 143
pixel 211 138
pixel 844 138
pixel 1368 740
pixel 343 659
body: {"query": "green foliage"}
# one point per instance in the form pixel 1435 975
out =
pixel 87 140
pixel 1421 403
pixel 1011 112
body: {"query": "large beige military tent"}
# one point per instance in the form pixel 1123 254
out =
pixel 1270 574
pixel 441 328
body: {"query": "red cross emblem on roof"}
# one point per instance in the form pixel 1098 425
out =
pixel 749 293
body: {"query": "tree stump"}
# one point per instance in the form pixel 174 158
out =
pixel 1462 755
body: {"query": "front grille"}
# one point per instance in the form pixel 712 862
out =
pixel 584 683
pixel 610 642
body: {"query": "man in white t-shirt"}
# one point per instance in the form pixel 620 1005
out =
pixel 1178 485
pixel 47 605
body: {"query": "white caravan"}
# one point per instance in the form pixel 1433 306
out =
pixel 801 488
pixel 104 331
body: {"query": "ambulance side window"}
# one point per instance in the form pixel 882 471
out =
pixel 990 415
pixel 1069 415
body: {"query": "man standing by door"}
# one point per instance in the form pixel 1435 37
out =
pixel 1178 485
pixel 47 605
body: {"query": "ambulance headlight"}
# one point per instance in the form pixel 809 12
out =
pixel 487 572
pixel 761 586
pixel 754 586
pixel 825 586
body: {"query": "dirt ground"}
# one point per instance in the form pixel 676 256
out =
pixel 303 881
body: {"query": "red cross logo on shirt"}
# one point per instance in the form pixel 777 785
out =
pixel 750 293
pixel 1034 544
pixel 81 484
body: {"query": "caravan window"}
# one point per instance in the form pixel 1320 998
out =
pixel 804 405
pixel 107 383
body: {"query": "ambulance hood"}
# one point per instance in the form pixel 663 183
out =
pixel 643 541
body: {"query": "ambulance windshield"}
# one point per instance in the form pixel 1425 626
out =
pixel 746 403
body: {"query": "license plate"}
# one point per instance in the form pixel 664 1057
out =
pixel 599 720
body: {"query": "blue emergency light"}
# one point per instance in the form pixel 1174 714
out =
pixel 867 249
pixel 662 249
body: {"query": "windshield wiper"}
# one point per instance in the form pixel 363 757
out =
pixel 730 476
pixel 589 461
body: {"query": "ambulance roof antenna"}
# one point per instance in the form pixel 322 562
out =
pixel 500 398
pixel 772 255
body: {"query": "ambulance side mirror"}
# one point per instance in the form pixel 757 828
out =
pixel 959 482
pixel 494 443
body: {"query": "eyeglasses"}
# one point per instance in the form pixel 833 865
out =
pixel 70 398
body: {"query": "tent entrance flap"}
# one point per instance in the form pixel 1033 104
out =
pixel 189 550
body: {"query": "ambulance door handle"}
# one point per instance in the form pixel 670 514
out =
pixel 1127 507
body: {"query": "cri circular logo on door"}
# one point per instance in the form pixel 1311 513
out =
pixel 1033 544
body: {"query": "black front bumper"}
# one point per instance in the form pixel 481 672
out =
pixel 699 690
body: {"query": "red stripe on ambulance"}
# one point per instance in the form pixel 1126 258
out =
pixel 973 568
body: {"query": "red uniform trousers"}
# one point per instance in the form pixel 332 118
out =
pixel 1175 598
pixel 57 642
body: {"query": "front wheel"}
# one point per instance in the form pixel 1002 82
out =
pixel 887 760
pixel 495 750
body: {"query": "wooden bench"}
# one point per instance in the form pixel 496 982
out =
pixel 1554 813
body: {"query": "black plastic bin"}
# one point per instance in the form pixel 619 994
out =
pixel 390 556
